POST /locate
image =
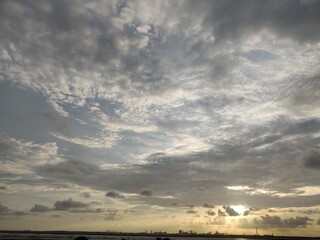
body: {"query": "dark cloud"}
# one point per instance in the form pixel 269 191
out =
pixel 246 213
pixel 85 194
pixel 40 208
pixel 71 169
pixel 65 21
pixel 67 205
pixel 221 213
pixel 113 194
pixel 3 188
pixel 191 211
pixel 306 125
pixel 271 220
pixel 3 209
pixel 231 20
pixel 210 213
pixel 297 222
pixel 231 212
pixel 276 221
pixel 208 205
pixel 311 159
pixel 146 192
pixel 254 209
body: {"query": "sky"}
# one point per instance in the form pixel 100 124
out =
pixel 160 115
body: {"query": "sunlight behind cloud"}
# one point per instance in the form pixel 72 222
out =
pixel 239 209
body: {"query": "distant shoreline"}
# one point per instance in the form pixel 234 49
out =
pixel 161 235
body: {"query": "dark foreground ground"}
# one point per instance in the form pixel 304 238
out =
pixel 31 235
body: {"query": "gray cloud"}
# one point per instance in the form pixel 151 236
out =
pixel 231 212
pixel 191 212
pixel 146 192
pixel 112 214
pixel 6 211
pixel 113 194
pixel 208 205
pixel 311 159
pixel 85 194
pixel 297 222
pixel 276 221
pixel 210 213
pixel 271 220
pixel 246 213
pixel 67 205
pixel 221 213
pixel 220 220
pixel 40 208
pixel 3 209
pixel 289 19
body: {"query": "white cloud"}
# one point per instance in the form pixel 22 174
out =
pixel 107 140
pixel 20 157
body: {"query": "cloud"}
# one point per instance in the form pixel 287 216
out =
pixel 276 221
pixel 207 205
pixel 271 220
pixel 6 211
pixel 218 221
pixel 20 157
pixel 297 222
pixel 67 205
pixel 191 212
pixel 210 213
pixel 85 194
pixel 113 194
pixel 311 159
pixel 3 209
pixel 40 208
pixel 231 212
pixel 221 213
pixel 95 203
pixel 238 23
pixel 106 141
pixel 246 213
pixel 112 214
pixel 146 192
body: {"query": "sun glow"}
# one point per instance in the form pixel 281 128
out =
pixel 240 209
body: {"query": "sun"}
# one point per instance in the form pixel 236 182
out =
pixel 240 209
